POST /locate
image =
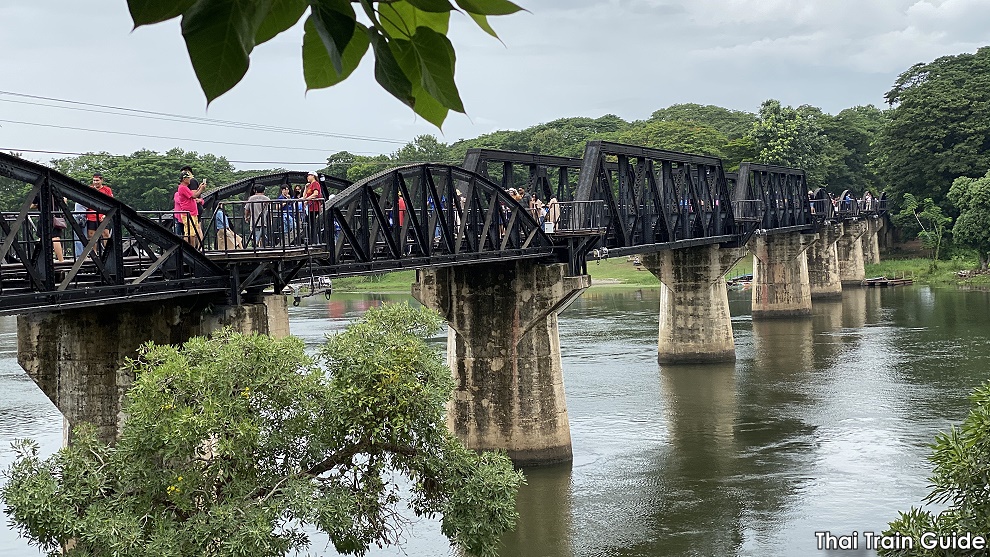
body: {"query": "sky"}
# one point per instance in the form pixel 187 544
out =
pixel 560 59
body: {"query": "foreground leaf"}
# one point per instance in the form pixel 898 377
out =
pixel 283 15
pixel 318 70
pixel 220 36
pixel 146 12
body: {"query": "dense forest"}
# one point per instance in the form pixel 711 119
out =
pixel 934 129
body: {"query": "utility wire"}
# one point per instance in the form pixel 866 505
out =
pixel 320 164
pixel 134 112
pixel 164 137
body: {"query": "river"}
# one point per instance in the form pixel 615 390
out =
pixel 822 424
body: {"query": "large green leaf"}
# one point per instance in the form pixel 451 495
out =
pixel 430 57
pixel 436 6
pixel 283 15
pixel 488 7
pixel 482 21
pixel 318 70
pixel 388 72
pixel 219 36
pixel 146 12
pixel 400 19
pixel 428 107
pixel 334 21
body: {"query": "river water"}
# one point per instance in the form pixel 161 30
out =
pixel 822 424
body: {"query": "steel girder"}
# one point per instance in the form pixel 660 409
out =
pixel 242 188
pixel 781 191
pixel 546 176
pixel 451 216
pixel 655 197
pixel 140 260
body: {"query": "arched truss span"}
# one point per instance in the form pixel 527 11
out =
pixel 140 260
pixel 241 189
pixel 427 214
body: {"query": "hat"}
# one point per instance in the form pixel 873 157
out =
pixel 185 174
pixel 313 173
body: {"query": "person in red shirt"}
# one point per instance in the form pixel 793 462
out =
pixel 314 205
pixel 93 219
pixel 185 209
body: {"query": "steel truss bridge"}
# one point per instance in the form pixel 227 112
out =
pixel 617 199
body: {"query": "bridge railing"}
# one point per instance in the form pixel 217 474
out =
pixel 273 226
pixel 573 217
pixel 748 210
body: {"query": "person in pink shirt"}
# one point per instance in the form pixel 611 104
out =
pixel 185 209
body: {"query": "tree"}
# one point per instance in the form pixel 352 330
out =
pixel 792 137
pixel 939 126
pixel 852 136
pixel 926 217
pixel 414 59
pixel 972 229
pixel 686 137
pixel 232 444
pixel 733 124
pixel 959 480
pixel 147 179
pixel 423 148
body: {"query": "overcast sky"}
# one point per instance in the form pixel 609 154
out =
pixel 564 58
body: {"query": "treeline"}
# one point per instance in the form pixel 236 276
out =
pixel 835 150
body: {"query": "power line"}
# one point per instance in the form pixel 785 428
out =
pixel 163 137
pixel 320 164
pixel 137 113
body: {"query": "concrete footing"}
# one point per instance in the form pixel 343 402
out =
pixel 695 325
pixel 823 264
pixel 504 351
pixel 75 356
pixel 780 275
pixel 852 269
pixel 871 241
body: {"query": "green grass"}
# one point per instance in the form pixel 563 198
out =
pixel 617 272
pixel 620 272
pixel 921 270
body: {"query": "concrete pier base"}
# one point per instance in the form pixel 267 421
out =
pixel 871 241
pixel 852 269
pixel 823 265
pixel 780 275
pixel 504 351
pixel 75 356
pixel 695 325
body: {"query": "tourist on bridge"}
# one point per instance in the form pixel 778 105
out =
pixel 256 213
pixel 227 239
pixel 93 219
pixel 314 205
pixel 287 208
pixel 186 210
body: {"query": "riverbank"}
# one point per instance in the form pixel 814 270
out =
pixel 623 272
pixel 618 272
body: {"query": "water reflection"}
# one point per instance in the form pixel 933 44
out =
pixel 544 527
pixel 822 423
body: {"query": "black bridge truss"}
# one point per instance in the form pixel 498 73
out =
pixel 617 199
pixel 140 260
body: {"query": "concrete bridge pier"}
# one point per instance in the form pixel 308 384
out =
pixel 781 287
pixel 695 325
pixel 504 351
pixel 852 268
pixel 823 264
pixel 75 355
pixel 871 240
